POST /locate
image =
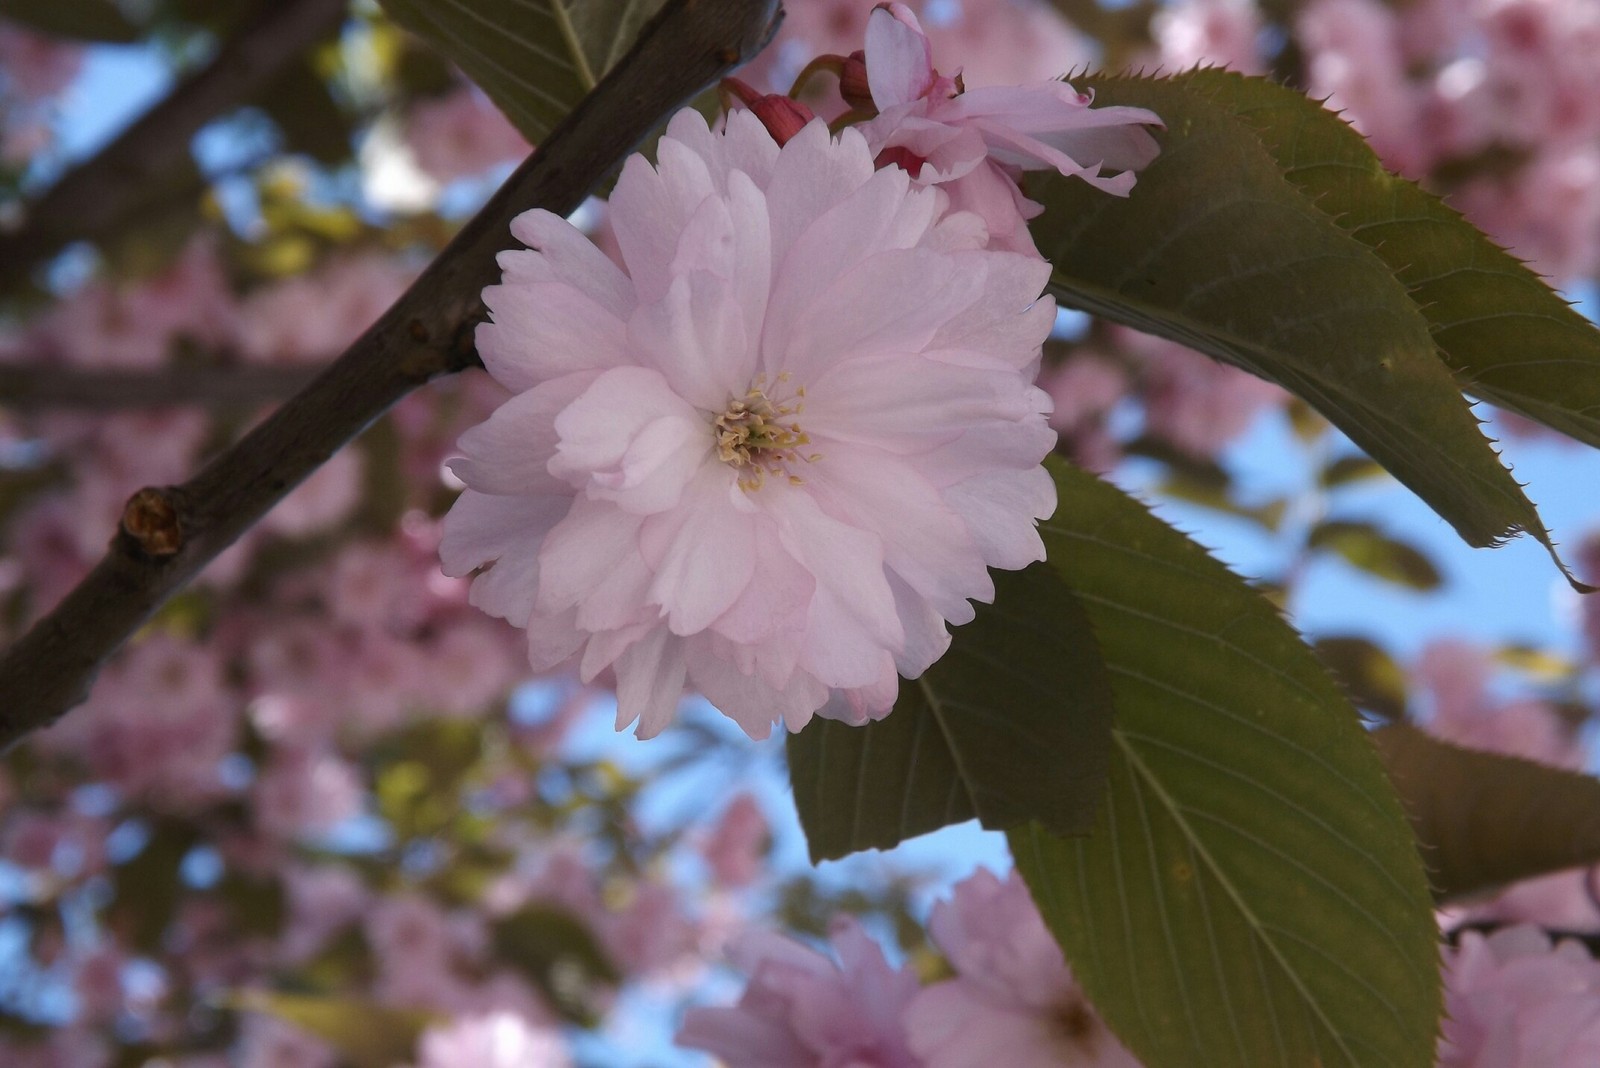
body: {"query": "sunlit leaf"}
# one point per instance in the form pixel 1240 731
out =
pixel 1011 725
pixel 1484 819
pixel 366 1034
pixel 1251 894
pixel 535 58
pixel 1348 469
pixel 1501 328
pixel 1364 546
pixel 1217 250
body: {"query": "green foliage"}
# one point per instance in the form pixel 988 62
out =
pixel 83 20
pixel 367 1035
pixel 1364 546
pixel 1218 250
pixel 301 103
pixel 1251 894
pixel 1368 674
pixel 148 886
pixel 1011 725
pixel 1484 819
pixel 557 951
pixel 1502 330
pixel 535 58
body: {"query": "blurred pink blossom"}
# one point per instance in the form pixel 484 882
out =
pixel 1192 401
pixel 268 1042
pixel 494 1040
pixel 1217 33
pixel 157 723
pixel 1013 1000
pixel 462 134
pixel 737 846
pixel 33 65
pixel 313 317
pixel 1512 1000
pixel 803 1010
pixel 304 791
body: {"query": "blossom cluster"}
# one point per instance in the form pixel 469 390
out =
pixel 769 454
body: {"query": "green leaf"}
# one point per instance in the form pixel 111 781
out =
pixel 559 953
pixel 1251 894
pixel 1510 338
pixel 1364 546
pixel 1483 819
pixel 79 20
pixel 367 1035
pixel 1348 469
pixel 311 120
pixel 149 885
pixel 1012 724
pixel 1217 250
pixel 535 58
pixel 1369 675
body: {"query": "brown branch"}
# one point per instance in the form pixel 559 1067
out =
pixel 104 189
pixel 170 533
pixel 35 387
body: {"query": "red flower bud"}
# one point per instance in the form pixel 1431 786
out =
pixel 853 83
pixel 782 116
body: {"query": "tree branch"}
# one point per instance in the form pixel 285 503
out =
pixel 168 534
pixel 103 189
pixel 34 387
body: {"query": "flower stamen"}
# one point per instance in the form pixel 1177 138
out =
pixel 758 433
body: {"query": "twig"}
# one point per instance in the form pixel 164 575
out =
pixel 38 386
pixel 101 191
pixel 169 534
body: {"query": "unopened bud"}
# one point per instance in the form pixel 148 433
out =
pixel 782 116
pixel 853 83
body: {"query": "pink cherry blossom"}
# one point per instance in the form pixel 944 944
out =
pixel 156 725
pixel 313 317
pixel 1191 400
pixel 1220 33
pixel 462 134
pixel 1084 391
pixel 494 1040
pixel 803 1010
pixel 1514 1001
pixel 975 143
pixel 738 843
pixel 774 455
pixel 33 65
pixel 301 791
pixel 1013 1001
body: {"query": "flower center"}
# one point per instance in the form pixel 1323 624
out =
pixel 760 434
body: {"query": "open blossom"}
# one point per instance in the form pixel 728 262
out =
pixel 772 454
pixel 1514 1001
pixel 802 1010
pixel 974 143
pixel 1013 1001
